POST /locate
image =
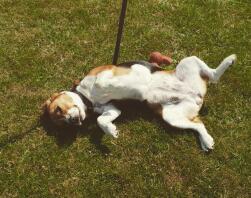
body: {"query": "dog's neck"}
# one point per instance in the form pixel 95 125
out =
pixel 84 99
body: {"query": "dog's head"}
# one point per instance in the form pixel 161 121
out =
pixel 65 108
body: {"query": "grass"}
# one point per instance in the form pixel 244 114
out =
pixel 45 45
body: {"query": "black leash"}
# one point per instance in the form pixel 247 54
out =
pixel 14 138
pixel 120 31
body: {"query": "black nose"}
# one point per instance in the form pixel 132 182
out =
pixel 74 119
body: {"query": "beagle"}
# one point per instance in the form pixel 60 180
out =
pixel 179 93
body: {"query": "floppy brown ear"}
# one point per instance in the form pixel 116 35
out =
pixel 53 96
pixel 48 102
pixel 45 106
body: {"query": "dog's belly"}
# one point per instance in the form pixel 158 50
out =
pixel 168 89
pixel 139 84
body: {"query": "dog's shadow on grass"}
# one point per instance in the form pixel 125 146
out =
pixel 131 110
pixel 66 135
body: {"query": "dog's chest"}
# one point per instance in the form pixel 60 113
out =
pixel 106 86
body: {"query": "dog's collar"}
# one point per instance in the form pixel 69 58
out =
pixel 85 100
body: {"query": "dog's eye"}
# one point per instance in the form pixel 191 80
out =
pixel 58 110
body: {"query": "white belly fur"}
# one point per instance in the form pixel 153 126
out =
pixel 167 89
pixel 139 84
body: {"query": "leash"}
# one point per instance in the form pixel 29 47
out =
pixel 14 138
pixel 120 31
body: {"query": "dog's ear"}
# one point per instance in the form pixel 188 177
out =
pixel 45 106
pixel 48 102
pixel 54 96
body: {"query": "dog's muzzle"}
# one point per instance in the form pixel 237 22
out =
pixel 74 116
pixel 75 120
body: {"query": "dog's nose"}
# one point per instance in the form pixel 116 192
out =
pixel 74 120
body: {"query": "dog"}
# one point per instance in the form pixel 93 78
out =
pixel 178 94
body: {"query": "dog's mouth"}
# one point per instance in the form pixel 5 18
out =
pixel 74 117
pixel 67 120
pixel 75 121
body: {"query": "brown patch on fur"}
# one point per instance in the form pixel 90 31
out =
pixel 204 77
pixel 46 104
pixel 118 71
pixel 196 119
pixel 156 108
pixel 99 69
pixel 57 106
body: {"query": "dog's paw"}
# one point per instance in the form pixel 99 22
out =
pixel 111 129
pixel 231 59
pixel 207 142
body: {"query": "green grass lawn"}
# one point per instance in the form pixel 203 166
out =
pixel 46 44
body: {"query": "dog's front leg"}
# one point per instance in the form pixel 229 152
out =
pixel 108 114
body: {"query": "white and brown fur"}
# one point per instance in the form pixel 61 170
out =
pixel 179 93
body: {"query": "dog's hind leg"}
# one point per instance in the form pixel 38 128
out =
pixel 219 71
pixel 108 114
pixel 190 68
pixel 182 116
pixel 214 74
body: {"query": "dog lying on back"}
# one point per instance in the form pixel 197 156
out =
pixel 179 93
